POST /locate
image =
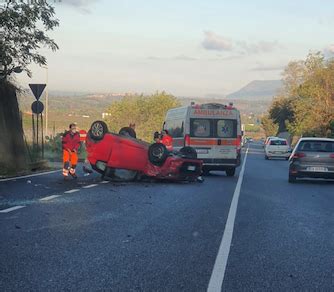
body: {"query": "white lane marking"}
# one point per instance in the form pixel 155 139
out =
pixel 49 198
pixel 89 186
pixel 218 272
pixel 71 191
pixel 11 209
pixel 30 175
pixel 104 182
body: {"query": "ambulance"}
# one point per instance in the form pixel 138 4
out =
pixel 212 129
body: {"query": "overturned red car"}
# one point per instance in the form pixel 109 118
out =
pixel 108 152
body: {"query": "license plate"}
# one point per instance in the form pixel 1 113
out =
pixel 202 151
pixel 191 167
pixel 317 169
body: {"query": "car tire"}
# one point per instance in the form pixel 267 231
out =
pixel 127 131
pixel 188 152
pixel 292 179
pixel 97 130
pixel 230 172
pixel 157 154
pixel 266 157
pixel 287 158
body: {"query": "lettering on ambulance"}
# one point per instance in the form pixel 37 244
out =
pixel 205 112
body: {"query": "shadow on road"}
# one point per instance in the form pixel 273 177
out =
pixel 315 181
pixel 219 174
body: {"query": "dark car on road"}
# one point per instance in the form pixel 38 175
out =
pixel 312 158
pixel 110 152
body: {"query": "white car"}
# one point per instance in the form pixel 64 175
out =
pixel 277 148
pixel 268 139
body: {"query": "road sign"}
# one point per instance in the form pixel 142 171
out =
pixel 37 89
pixel 37 107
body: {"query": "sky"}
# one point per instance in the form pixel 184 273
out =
pixel 185 47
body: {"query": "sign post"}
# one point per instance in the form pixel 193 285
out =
pixel 37 89
pixel 37 108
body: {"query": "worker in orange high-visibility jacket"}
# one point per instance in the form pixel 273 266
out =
pixel 71 144
pixel 167 140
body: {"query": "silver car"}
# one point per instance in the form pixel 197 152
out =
pixel 313 158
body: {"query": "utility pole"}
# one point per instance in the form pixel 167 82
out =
pixel 46 101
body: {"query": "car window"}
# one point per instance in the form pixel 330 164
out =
pixel 278 142
pixel 268 139
pixel 226 128
pixel 201 128
pixel 316 146
pixel 174 128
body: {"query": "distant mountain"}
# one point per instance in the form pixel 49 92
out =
pixel 258 89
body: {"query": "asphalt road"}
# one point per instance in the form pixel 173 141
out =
pixel 86 235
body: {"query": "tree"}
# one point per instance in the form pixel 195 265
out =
pixel 293 77
pixel 147 112
pixel 306 105
pixel 281 112
pixel 270 128
pixel 21 36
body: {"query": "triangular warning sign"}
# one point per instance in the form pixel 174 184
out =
pixel 37 89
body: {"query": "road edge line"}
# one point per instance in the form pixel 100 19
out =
pixel 29 175
pixel 219 268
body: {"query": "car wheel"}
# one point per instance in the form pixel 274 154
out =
pixel 97 130
pixel 128 131
pixel 292 179
pixel 157 153
pixel 266 157
pixel 230 172
pixel 188 152
pixel 287 158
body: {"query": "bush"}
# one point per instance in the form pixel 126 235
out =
pixel 146 112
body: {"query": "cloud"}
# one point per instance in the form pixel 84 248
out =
pixel 258 47
pixel 184 58
pixel 79 3
pixel 179 58
pixel 82 5
pixel 189 58
pixel 227 58
pixel 216 42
